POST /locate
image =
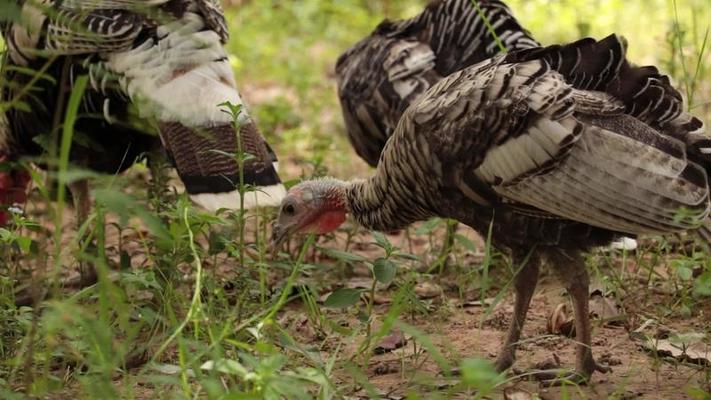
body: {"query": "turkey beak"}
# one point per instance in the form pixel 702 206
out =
pixel 279 235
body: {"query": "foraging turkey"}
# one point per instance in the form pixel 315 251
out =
pixel 381 75
pixel 155 63
pixel 557 149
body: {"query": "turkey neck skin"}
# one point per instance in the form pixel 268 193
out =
pixel 403 189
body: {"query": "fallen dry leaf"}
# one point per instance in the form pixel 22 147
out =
pixel 606 310
pixel 427 290
pixel 514 393
pixel 696 352
pixel 385 368
pixel 359 283
pixel 561 322
pixel 390 343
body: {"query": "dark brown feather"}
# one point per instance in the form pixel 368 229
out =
pixel 380 76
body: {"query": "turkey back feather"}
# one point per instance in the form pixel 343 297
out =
pixel 100 145
pixel 646 94
pixel 380 76
pixel 166 59
pixel 517 136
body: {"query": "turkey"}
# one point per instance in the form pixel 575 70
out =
pixel 381 75
pixel 155 63
pixel 557 149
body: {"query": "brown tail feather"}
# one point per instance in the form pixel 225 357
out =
pixel 601 65
pixel 206 162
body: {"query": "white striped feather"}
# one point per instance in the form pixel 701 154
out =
pixel 74 27
pixel 182 77
pixel 542 143
pixel 24 36
pixel 601 184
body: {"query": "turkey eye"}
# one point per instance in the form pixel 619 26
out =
pixel 289 209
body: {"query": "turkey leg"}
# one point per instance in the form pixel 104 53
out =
pixel 82 208
pixel 524 285
pixel 87 272
pixel 570 268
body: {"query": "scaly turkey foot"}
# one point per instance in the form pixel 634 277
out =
pixel 558 376
pixel 505 360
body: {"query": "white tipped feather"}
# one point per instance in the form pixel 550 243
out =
pixel 27 34
pixel 540 143
pixel 268 196
pixel 624 243
pixel 181 78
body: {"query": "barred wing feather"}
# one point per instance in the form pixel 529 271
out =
pixel 530 139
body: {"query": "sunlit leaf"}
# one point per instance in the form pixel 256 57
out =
pixel 382 241
pixel 126 206
pixel 384 270
pixel 342 255
pixel 342 298
pixel 480 374
pixel 428 227
pixel 465 242
pixel 225 366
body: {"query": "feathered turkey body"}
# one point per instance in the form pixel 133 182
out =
pixel 165 58
pixel 380 76
pixel 557 149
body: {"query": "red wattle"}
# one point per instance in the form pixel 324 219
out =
pixel 330 221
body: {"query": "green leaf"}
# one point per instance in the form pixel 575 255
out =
pixel 382 241
pixel 216 242
pixel 465 242
pixel 75 174
pixel 9 11
pixel 407 256
pixel 24 243
pixel 127 206
pixel 225 366
pixel 480 374
pixel 342 298
pixel 342 255
pixel 702 285
pixel 685 273
pixel 384 270
pixel 428 226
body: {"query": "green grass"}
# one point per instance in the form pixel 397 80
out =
pixel 191 305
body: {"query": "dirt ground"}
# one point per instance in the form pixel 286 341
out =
pixel 461 327
pixel 636 373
